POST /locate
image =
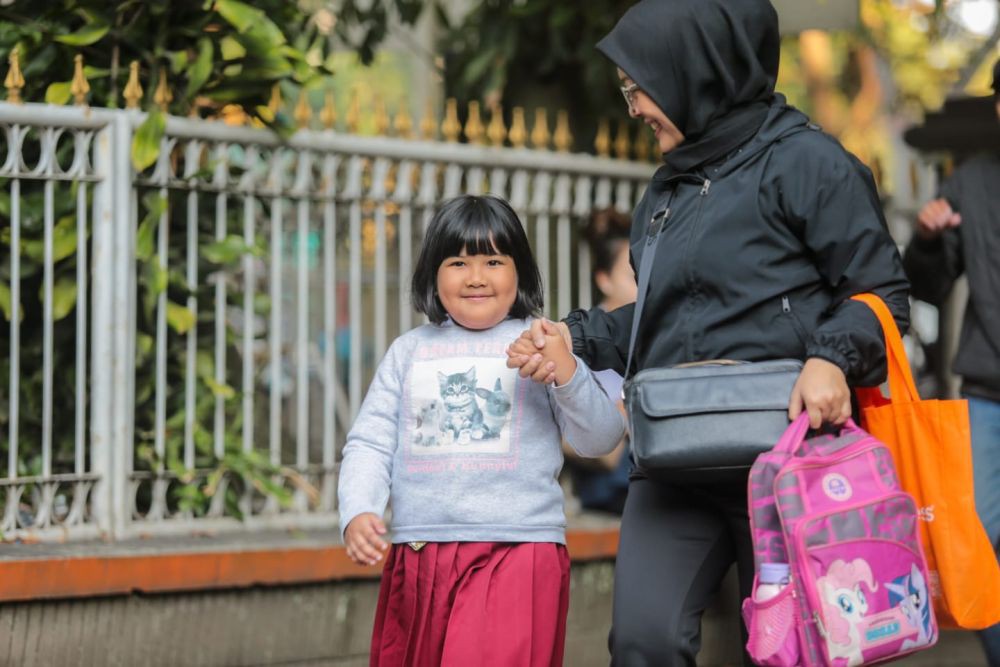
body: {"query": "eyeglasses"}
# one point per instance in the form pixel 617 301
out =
pixel 628 92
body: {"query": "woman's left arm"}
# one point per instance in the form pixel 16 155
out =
pixel 830 198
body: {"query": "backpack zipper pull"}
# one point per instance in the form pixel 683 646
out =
pixel 786 307
pixel 705 186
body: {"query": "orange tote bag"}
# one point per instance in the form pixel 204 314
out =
pixel 930 444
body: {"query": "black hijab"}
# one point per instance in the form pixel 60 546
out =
pixel 710 65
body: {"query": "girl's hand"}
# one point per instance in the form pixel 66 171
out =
pixel 361 537
pixel 821 390
pixel 523 352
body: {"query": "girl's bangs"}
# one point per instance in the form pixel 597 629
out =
pixel 478 237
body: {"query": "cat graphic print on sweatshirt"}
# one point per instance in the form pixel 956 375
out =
pixel 466 449
pixel 454 412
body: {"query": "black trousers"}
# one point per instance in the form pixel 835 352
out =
pixel 677 543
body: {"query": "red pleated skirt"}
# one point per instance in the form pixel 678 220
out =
pixel 472 603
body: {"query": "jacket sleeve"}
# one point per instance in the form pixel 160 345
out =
pixel 829 197
pixel 932 265
pixel 601 337
pixel 366 469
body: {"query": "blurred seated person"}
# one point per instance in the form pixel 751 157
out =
pixel 602 483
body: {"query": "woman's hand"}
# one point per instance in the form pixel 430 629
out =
pixel 361 537
pixel 524 353
pixel 821 390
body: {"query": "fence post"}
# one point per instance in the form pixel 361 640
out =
pixel 113 328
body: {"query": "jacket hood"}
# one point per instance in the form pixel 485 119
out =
pixel 710 65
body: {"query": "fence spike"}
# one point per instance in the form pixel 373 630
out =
pixel 15 80
pixel 233 114
pixel 518 128
pixel 133 89
pixel 622 141
pixel 303 112
pixel 474 130
pixel 451 128
pixel 79 86
pixel 540 132
pixel 381 117
pixel 428 124
pixel 353 111
pixel 563 137
pixel 275 102
pixel 403 123
pixel 602 142
pixel 496 132
pixel 162 96
pixel 328 114
pixel 641 147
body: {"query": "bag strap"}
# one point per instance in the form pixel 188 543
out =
pixel 656 226
pixel 793 437
pixel 902 388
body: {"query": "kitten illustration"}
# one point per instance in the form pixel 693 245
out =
pixel 428 424
pixel 495 410
pixel 462 416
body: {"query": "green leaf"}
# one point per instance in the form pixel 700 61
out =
pixel 178 61
pixel 231 49
pixel 95 72
pixel 5 300
pixel 63 297
pixel 226 251
pixel 63 242
pixel 144 237
pixel 158 278
pixel 58 92
pixel 86 35
pixel 155 204
pixel 201 69
pixel 143 345
pixel 146 144
pixel 239 15
pixel 221 390
pixel 179 318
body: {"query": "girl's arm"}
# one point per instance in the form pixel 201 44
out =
pixel 366 469
pixel 588 418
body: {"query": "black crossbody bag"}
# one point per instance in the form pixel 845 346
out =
pixel 705 420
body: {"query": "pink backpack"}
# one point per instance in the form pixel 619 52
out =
pixel 831 507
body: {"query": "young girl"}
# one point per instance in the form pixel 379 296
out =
pixel 477 572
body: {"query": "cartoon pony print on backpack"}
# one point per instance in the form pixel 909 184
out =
pixel 911 594
pixel 844 606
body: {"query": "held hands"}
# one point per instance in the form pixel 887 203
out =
pixel 935 217
pixel 821 390
pixel 361 537
pixel 543 353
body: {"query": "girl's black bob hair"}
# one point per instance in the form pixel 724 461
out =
pixel 480 225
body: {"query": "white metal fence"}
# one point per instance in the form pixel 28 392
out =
pixel 187 346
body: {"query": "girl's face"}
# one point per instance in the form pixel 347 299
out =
pixel 617 285
pixel 642 106
pixel 478 291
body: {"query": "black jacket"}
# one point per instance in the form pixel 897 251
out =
pixel 772 224
pixel 760 255
pixel 972 248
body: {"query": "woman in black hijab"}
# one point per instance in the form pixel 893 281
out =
pixel 773 226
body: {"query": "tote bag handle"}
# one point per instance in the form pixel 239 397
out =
pixel 902 388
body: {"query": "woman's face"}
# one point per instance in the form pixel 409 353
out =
pixel 617 285
pixel 642 106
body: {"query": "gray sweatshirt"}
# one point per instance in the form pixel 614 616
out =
pixel 468 450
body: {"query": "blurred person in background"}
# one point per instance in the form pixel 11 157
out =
pixel 959 233
pixel 602 483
